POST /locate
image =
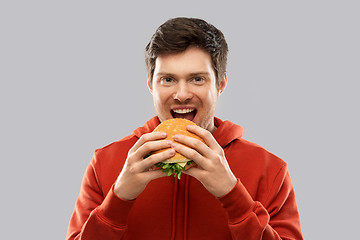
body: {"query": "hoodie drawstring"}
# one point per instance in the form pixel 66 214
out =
pixel 174 207
pixel 186 205
pixel 173 227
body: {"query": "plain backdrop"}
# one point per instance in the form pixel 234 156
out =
pixel 73 79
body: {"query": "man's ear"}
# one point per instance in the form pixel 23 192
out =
pixel 222 84
pixel 149 84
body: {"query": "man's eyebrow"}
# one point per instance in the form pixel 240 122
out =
pixel 163 73
pixel 199 73
pixel 191 74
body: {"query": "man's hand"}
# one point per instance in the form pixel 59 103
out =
pixel 213 170
pixel 138 169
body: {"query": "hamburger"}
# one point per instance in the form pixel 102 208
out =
pixel 178 162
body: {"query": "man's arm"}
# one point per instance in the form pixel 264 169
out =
pixel 92 217
pixel 275 218
pixel 104 217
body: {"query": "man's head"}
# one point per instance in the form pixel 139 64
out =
pixel 177 34
pixel 186 60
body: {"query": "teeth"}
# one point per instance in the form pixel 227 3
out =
pixel 183 111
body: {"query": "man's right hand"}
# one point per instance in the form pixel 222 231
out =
pixel 138 171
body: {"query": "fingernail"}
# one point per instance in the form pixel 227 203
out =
pixel 169 142
pixel 173 145
pixel 176 136
pixel 171 151
pixel 163 134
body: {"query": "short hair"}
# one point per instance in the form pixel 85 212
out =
pixel 177 34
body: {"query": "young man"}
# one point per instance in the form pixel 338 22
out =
pixel 238 191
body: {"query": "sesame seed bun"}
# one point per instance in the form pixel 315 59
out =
pixel 176 126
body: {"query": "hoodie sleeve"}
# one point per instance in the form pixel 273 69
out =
pixel 96 216
pixel 276 218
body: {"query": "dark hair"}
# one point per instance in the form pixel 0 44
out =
pixel 177 34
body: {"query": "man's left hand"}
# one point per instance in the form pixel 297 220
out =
pixel 213 170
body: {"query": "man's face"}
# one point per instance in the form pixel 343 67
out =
pixel 184 86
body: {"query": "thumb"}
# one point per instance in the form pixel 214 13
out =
pixel 194 172
pixel 154 174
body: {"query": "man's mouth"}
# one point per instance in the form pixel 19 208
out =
pixel 187 113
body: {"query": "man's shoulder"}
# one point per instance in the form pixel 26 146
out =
pixel 118 150
pixel 121 146
pixel 256 153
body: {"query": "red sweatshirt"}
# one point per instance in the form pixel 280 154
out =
pixel 261 206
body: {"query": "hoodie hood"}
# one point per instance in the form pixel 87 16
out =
pixel 225 133
pixel 149 126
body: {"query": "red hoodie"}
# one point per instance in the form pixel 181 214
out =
pixel 261 206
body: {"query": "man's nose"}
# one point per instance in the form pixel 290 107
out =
pixel 183 92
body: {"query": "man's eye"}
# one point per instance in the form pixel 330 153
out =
pixel 198 80
pixel 166 80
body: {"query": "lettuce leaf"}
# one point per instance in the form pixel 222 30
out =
pixel 172 168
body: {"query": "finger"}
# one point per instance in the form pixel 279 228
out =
pixel 205 135
pixel 190 154
pixel 195 172
pixel 152 146
pixel 153 136
pixel 151 175
pixel 148 162
pixel 193 143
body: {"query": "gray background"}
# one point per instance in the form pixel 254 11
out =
pixel 73 79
